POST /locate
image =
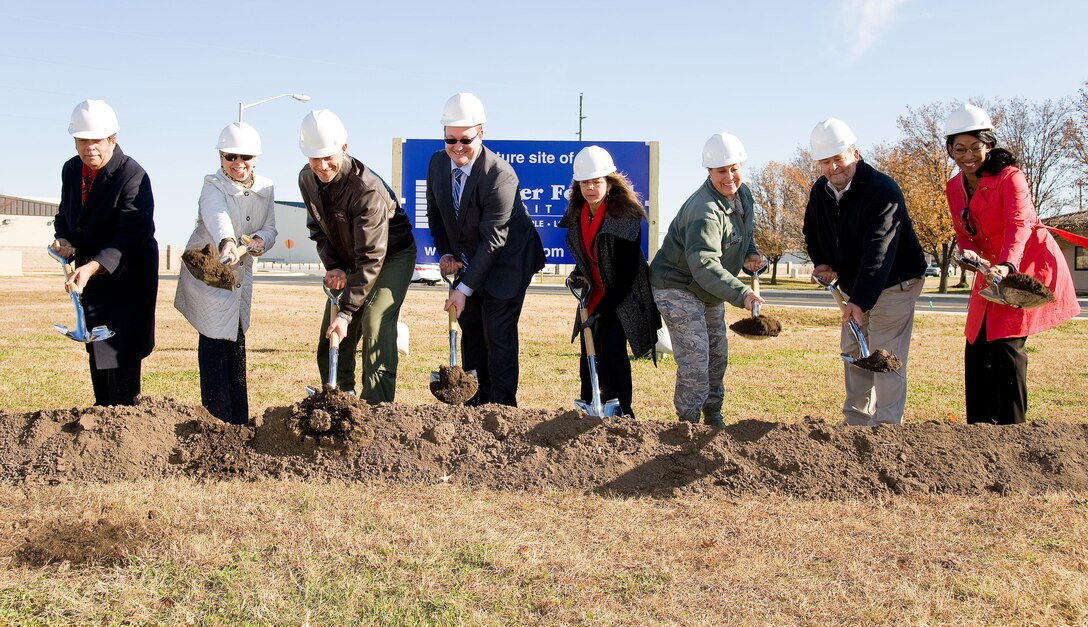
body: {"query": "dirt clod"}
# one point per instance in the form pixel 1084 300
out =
pixel 879 360
pixel 203 264
pixel 454 386
pixel 1023 290
pixel 758 326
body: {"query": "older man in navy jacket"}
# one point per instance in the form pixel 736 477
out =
pixel 858 231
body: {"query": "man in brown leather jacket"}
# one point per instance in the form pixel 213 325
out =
pixel 365 241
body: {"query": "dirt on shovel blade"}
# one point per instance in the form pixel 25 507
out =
pixel 879 360
pixel 203 263
pixel 759 326
pixel 454 386
pixel 1024 290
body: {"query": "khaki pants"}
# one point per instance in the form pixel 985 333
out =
pixel 879 397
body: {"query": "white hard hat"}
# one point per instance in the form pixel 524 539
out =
pixel 93 119
pixel 322 134
pixel 240 138
pixel 593 162
pixel 965 118
pixel 723 149
pixel 831 137
pixel 463 109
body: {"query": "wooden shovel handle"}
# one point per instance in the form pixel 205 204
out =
pixel 583 315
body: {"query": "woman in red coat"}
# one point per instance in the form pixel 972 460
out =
pixel 995 221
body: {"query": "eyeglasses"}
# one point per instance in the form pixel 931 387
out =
pixel 967 224
pixel 229 157
pixel 464 140
pixel 960 151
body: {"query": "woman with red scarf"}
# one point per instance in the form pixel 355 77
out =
pixel 995 221
pixel 604 233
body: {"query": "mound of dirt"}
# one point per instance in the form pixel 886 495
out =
pixel 333 436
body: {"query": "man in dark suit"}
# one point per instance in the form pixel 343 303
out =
pixel 105 225
pixel 482 231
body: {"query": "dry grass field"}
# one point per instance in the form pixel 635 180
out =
pixel 292 552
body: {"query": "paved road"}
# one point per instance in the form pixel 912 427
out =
pixel 935 303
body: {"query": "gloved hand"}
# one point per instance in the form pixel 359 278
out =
pixel 590 323
pixel 577 281
pixel 256 246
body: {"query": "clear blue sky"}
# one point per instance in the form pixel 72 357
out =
pixel 672 72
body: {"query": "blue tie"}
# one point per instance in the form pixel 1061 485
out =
pixel 458 183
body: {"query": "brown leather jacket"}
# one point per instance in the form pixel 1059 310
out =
pixel 356 221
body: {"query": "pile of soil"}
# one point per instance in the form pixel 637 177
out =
pixel 333 436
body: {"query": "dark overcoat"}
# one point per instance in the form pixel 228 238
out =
pixel 120 215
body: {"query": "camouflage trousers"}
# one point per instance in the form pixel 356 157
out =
pixel 701 349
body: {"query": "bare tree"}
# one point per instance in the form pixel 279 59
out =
pixel 919 163
pixel 1038 134
pixel 781 193
pixel 1076 136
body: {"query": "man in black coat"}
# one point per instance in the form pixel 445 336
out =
pixel 857 231
pixel 481 229
pixel 105 225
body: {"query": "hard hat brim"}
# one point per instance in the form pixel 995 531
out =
pixel 92 134
pixel 321 153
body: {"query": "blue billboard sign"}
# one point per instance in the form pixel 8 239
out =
pixel 544 170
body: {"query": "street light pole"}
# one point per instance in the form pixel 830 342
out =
pixel 580 117
pixel 243 107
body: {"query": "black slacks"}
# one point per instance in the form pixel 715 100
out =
pixel 996 379
pixel 223 389
pixel 489 345
pixel 613 364
pixel 115 386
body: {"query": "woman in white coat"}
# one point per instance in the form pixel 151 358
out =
pixel 234 202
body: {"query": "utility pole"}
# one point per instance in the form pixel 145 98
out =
pixel 580 116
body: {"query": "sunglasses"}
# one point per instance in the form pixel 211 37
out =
pixel 967 224
pixel 464 140
pixel 231 157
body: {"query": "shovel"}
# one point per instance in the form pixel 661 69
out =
pixel 878 361
pixel 452 384
pixel 756 327
pixel 334 343
pixel 595 408
pixel 80 333
pixel 1017 290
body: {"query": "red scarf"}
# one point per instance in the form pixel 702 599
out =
pixel 589 234
pixel 88 181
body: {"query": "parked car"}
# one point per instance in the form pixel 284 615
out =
pixel 428 273
pixel 933 270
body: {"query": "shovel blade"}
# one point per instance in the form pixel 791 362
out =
pixel 612 408
pixel 100 333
